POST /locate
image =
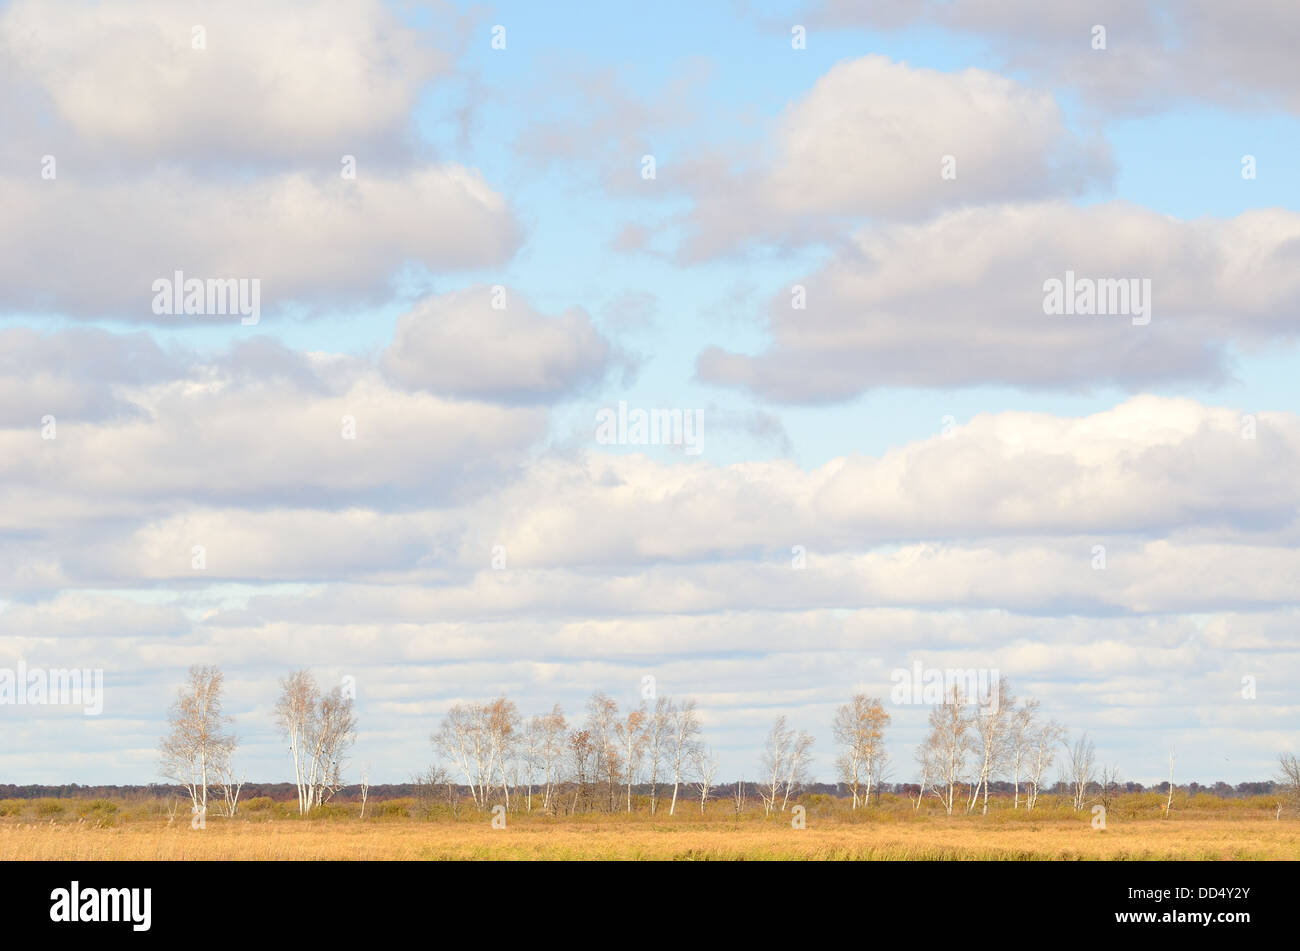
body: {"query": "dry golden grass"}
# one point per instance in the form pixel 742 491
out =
pixel 642 837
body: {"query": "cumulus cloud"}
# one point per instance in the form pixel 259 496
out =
pixel 392 511
pixel 313 240
pixel 488 343
pixel 1150 467
pixel 876 138
pixel 1011 502
pixel 1157 52
pixel 274 146
pixel 272 80
pixel 959 301
pixel 82 374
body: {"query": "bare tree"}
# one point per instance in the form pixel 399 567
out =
pixel 319 728
pixel 295 714
pixel 1042 752
pixel 859 728
pixel 464 739
pixel 796 771
pixel 602 712
pixel 1080 762
pixel 1288 782
pixel 632 739
pixel 196 747
pixel 943 752
pixel 503 737
pixel 553 729
pixel 705 764
pixel 1107 782
pixel 658 737
pixel 444 779
pixel 993 732
pixel 1169 802
pixel 531 753
pixel 228 784
pixel 777 749
pixel 1024 724
pixel 365 788
pixel 685 732
pixel 583 758
pixel 437 782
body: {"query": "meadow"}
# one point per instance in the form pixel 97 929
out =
pixel 1204 827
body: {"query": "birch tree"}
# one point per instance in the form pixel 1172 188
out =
pixel 859 729
pixel 320 728
pixel 335 731
pixel 796 770
pixel 196 746
pixel 602 712
pixel 1045 740
pixel 502 718
pixel 685 732
pixel 632 738
pixel 1288 781
pixel 229 781
pixel 1080 762
pixel 463 739
pixel 658 740
pixel 774 764
pixel 1024 723
pixel 531 754
pixel 993 729
pixel 705 765
pixel 943 752
pixel 583 756
pixel 553 729
pixel 1169 802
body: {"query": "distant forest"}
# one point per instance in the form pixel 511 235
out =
pixel 287 792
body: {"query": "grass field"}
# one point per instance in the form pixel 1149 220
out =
pixel 97 830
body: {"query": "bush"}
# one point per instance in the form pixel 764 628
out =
pixel 330 811
pixel 257 804
pixel 97 809
pixel 49 807
pixel 394 809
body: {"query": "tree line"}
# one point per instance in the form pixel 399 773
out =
pixel 595 763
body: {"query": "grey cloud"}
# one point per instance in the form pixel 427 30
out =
pixel 1158 52
pixel 959 301
pixel 460 344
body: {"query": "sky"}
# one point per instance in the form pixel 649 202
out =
pixel 823 232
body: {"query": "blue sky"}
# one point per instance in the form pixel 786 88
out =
pixel 522 167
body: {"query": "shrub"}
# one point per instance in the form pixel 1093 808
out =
pixel 394 809
pixel 331 811
pixel 101 810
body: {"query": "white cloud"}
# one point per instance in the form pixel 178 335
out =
pixel 312 239
pixel 485 343
pixel 871 139
pixel 276 79
pixel 959 301
pixel 1157 52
